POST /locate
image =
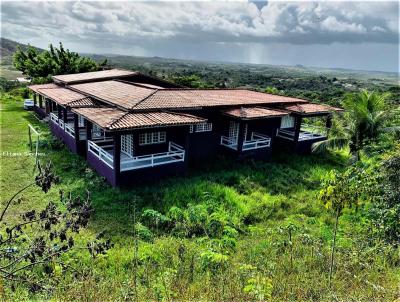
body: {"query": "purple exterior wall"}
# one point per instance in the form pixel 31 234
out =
pixel 101 168
pixel 63 136
pixel 39 111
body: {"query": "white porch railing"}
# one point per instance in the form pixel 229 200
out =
pixel 257 141
pixel 70 129
pixel 175 153
pixel 53 117
pixel 100 151
pixel 229 142
pixel 305 133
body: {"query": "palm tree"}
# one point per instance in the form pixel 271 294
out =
pixel 366 117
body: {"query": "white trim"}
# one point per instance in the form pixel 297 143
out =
pixel 257 141
pixel 204 127
pixel 175 153
pixel 101 153
pixel 70 129
pixel 229 142
pixel 151 138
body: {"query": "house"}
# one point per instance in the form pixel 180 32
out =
pixel 132 127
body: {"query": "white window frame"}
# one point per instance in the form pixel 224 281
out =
pixel 204 127
pixel 151 138
pixel 97 132
pixel 81 121
pixel 287 122
pixel 191 129
pixel 127 146
pixel 233 130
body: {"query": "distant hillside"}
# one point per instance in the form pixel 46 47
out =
pixel 7 49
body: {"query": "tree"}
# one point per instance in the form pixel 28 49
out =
pixel 50 62
pixel 341 190
pixel 385 210
pixel 31 249
pixel 271 90
pixel 366 117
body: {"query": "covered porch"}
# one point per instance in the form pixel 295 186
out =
pixel 251 130
pixel 306 125
pixel 128 148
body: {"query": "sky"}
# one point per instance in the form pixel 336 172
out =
pixel 353 35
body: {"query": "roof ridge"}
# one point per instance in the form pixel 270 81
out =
pixel 145 98
pixel 182 114
pixel 118 119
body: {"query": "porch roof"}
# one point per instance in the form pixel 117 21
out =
pixel 37 88
pixel 114 119
pixel 310 109
pixel 254 113
pixel 66 97
pixel 94 75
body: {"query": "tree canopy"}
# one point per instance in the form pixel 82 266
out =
pixel 50 62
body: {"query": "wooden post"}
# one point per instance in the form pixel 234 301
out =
pixel 30 138
pixel 58 111
pixel 89 126
pixel 76 129
pixel 297 127
pixel 117 157
pixel 65 118
pixel 34 99
pixel 40 101
pixel 47 104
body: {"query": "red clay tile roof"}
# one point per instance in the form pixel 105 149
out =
pixel 95 75
pixel 138 97
pixel 36 88
pixel 86 102
pixel 115 92
pixel 254 113
pixel 311 108
pixel 189 98
pixel 115 119
pixel 60 95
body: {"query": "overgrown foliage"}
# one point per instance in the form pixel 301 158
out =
pixel 32 248
pixel 367 115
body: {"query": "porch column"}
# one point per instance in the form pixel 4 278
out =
pixel 76 129
pixel 88 126
pixel 47 104
pixel 65 115
pixel 40 101
pixel 34 99
pixel 240 137
pixel 58 111
pixel 297 127
pixel 117 157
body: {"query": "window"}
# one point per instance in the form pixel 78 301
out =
pixel 204 127
pixel 127 144
pixel 152 138
pixel 287 122
pixel 81 121
pixel 191 129
pixel 233 130
pixel 97 132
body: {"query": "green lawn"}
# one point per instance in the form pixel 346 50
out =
pixel 226 228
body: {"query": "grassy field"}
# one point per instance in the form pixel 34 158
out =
pixel 221 234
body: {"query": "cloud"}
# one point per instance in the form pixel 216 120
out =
pixel 292 22
pixel 236 31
